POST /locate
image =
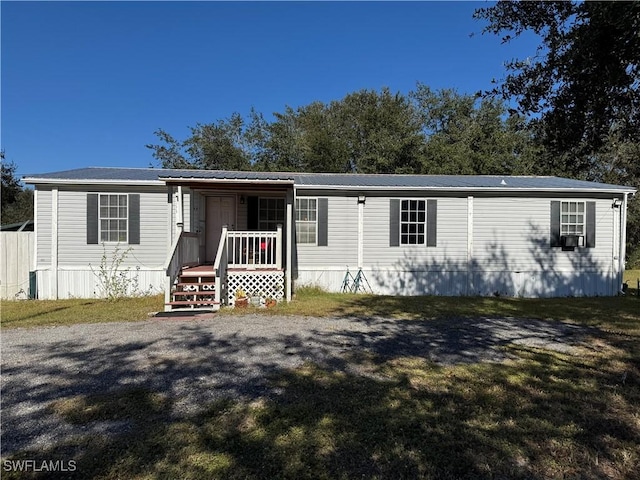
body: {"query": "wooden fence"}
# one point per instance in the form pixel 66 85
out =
pixel 16 261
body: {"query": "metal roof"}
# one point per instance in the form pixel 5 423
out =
pixel 341 181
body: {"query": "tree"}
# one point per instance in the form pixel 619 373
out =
pixel 10 183
pixel 583 80
pixel 382 132
pixel 214 146
pixel 17 202
pixel 582 87
pixel 469 135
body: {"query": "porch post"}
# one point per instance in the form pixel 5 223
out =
pixel 289 253
pixel 180 210
pixel 54 244
pixel 278 246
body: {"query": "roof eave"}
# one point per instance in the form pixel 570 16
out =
pixel 466 188
pixel 88 181
pixel 214 181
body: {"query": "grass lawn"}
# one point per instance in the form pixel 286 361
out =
pixel 38 313
pixel 632 277
pixel 541 415
pixel 313 302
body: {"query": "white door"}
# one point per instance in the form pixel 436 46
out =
pixel 220 211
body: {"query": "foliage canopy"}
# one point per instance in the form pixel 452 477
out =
pixel 17 201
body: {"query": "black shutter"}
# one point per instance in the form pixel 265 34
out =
pixel 432 223
pixel 323 234
pixel 555 224
pixel 253 212
pixel 394 222
pixel 134 219
pixel 590 237
pixel 92 218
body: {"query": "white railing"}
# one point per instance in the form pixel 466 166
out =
pixel 254 250
pixel 185 251
pixel 220 264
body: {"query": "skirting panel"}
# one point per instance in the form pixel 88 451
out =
pixel 542 284
pixel 85 283
pixel 531 284
pixel 255 283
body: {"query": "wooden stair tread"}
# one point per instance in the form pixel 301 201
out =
pixel 187 273
pixel 199 293
pixel 197 284
pixel 193 302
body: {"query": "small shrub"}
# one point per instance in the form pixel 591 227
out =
pixel 114 281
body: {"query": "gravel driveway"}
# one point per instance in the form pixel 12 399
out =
pixel 197 361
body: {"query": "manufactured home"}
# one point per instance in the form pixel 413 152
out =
pixel 203 236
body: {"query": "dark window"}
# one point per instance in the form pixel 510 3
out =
pixel 413 222
pixel 270 214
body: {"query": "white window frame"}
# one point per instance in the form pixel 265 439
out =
pixel 408 221
pixel 109 218
pixel 300 223
pixel 260 210
pixel 573 218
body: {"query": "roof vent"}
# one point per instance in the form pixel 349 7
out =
pixel 503 182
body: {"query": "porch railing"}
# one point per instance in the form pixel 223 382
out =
pixel 254 250
pixel 185 251
pixel 220 266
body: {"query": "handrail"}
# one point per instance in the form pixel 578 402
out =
pixel 185 250
pixel 218 266
pixel 221 249
pixel 175 249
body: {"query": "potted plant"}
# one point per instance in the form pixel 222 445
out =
pixel 241 299
pixel 256 299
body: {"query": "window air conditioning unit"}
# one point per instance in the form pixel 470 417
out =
pixel 572 241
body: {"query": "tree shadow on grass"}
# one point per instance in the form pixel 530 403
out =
pixel 546 415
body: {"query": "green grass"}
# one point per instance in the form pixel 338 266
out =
pixel 632 278
pixel 542 415
pixel 37 313
pixel 605 312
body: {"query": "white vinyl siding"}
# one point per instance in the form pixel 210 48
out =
pixel 450 252
pixel 43 225
pixel 342 230
pixel 73 250
pixel 512 234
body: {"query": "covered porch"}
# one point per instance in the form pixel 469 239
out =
pixel 230 237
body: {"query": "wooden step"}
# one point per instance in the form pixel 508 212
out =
pixel 197 284
pixel 198 273
pixel 201 293
pixel 186 303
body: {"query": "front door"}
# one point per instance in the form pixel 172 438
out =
pixel 220 211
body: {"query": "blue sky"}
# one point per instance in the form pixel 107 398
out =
pixel 87 83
